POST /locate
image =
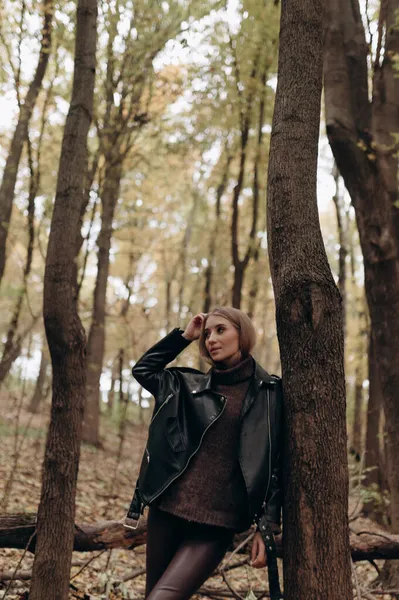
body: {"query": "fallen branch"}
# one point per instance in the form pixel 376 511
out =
pixel 15 531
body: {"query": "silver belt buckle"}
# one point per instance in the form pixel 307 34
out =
pixel 128 526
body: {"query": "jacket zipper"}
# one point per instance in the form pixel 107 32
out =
pixel 161 407
pixel 190 457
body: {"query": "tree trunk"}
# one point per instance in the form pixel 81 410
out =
pixel 96 340
pixel 309 324
pixel 343 241
pixel 373 458
pixel 214 235
pixel 254 287
pixel 360 135
pixel 40 386
pixel 65 334
pixel 246 116
pixel 7 188
pixel 357 438
pixel 12 347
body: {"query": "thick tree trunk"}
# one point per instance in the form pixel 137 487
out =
pixel 309 324
pixel 16 531
pixel 65 334
pixel 20 136
pixel 360 138
pixel 96 340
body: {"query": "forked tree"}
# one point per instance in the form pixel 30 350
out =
pixel 309 324
pixel 362 117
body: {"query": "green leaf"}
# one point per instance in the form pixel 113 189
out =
pixel 250 596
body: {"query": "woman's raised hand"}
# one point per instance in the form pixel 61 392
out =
pixel 194 328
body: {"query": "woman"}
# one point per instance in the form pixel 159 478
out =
pixel 211 466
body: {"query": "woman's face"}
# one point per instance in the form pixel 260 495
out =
pixel 222 340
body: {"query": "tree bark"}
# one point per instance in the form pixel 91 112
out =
pixel 20 135
pixel 12 346
pixel 360 135
pixel 96 340
pixel 343 241
pixel 309 324
pixel 357 438
pixel 246 116
pixel 65 334
pixel 214 235
pixel 40 386
pixel 16 531
pixel 373 456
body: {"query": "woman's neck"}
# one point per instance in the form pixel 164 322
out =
pixel 230 362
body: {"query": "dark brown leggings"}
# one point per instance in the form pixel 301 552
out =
pixel 181 555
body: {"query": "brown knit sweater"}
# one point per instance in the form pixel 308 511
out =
pixel 212 489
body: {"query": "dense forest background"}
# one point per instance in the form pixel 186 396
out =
pixel 173 222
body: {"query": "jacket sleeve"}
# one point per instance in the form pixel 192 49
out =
pixel 274 498
pixel 150 372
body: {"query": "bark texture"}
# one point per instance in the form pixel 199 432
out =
pixel 246 117
pixel 361 136
pixel 96 341
pixel 309 324
pixel 65 334
pixel 41 383
pixel 374 462
pixel 20 135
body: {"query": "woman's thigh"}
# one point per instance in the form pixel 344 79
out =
pixel 198 555
pixel 164 535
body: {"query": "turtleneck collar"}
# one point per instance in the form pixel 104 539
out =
pixel 240 372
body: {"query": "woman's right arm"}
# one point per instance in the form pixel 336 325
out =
pixel 150 371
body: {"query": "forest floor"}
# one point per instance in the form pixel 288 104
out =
pixel 105 487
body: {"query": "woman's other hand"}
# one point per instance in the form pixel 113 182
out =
pixel 194 328
pixel 258 552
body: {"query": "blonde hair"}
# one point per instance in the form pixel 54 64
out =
pixel 243 324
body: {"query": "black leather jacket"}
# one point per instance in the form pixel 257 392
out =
pixel 185 408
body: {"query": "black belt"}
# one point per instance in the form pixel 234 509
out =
pixel 271 553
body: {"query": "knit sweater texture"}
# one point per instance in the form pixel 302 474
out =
pixel 212 489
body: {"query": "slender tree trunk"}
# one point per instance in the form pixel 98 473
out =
pixel 360 135
pixel 96 340
pixel 7 188
pixel 373 455
pixel 253 290
pixel 182 260
pixel 65 333
pixel 40 386
pixel 254 287
pixel 111 393
pixel 246 116
pixel 343 241
pixel 214 236
pixel 12 347
pixel 309 324
pixel 357 438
